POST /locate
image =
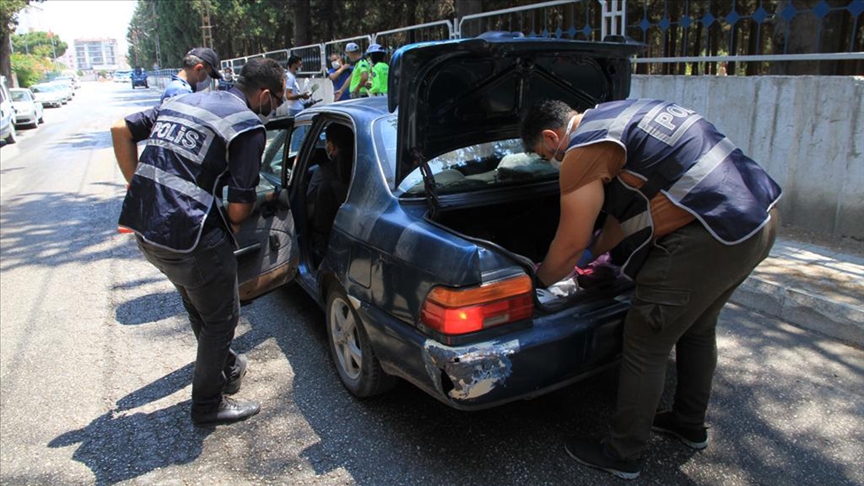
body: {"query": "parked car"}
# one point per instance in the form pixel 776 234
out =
pixel 65 87
pixel 122 76
pixel 48 94
pixel 28 110
pixel 139 78
pixel 428 274
pixel 7 114
pixel 73 80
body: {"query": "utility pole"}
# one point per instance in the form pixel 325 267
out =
pixel 206 28
pixel 156 30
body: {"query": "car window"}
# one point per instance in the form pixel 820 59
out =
pixel 297 136
pixel 272 160
pixel 20 96
pixel 476 167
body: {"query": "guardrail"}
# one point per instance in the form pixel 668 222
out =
pixel 681 37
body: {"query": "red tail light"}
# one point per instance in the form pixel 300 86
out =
pixel 460 311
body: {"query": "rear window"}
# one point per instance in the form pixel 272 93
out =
pixel 20 96
pixel 482 166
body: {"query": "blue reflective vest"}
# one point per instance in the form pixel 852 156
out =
pixel 679 153
pixel 174 186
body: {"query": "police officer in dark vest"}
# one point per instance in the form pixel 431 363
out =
pixel 688 216
pixel 196 145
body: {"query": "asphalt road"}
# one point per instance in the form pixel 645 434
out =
pixel 96 365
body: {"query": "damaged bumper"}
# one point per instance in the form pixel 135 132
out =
pixel 556 350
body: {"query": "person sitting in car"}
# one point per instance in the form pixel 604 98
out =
pixel 328 187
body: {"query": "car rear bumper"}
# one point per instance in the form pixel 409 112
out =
pixel 554 351
pixel 25 118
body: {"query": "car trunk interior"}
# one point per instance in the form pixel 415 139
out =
pixel 525 228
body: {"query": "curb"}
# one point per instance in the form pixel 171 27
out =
pixel 803 309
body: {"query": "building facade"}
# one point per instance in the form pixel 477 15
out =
pixel 96 54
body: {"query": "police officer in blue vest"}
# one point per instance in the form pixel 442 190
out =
pixel 196 145
pixel 688 216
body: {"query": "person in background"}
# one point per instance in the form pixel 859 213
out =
pixel 292 89
pixel 380 70
pixel 356 84
pixel 197 145
pixel 199 65
pixel 338 73
pixel 681 201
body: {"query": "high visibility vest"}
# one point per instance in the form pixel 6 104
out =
pixel 362 66
pixel 679 153
pixel 174 186
pixel 380 72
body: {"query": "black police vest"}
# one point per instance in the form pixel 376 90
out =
pixel 174 186
pixel 676 152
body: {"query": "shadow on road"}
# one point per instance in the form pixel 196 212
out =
pixel 117 447
pixel 48 229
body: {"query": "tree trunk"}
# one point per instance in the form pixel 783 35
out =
pixel 468 7
pixel 5 54
pixel 302 20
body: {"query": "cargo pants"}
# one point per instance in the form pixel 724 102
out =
pixel 687 279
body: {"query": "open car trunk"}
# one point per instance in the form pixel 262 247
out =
pixel 522 230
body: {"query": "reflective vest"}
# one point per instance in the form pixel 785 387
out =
pixel 175 182
pixel 362 66
pixel 676 152
pixel 380 72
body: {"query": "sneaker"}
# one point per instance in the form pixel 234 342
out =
pixel 233 385
pixel 229 410
pixel 592 453
pixel 694 437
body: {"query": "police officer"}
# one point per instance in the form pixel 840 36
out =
pixel 380 70
pixel 199 65
pixel 688 215
pixel 356 83
pixel 196 145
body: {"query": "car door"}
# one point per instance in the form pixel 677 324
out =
pixel 268 254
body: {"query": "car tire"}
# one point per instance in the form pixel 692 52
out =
pixel 41 120
pixel 12 136
pixel 359 369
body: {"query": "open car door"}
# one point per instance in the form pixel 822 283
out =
pixel 268 255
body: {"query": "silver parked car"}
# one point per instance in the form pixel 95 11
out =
pixel 28 110
pixel 48 94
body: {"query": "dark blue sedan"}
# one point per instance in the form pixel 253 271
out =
pixel 427 269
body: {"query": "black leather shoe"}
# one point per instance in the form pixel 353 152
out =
pixel 236 379
pixel 229 410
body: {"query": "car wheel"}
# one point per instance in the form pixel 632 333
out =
pixel 359 369
pixel 41 120
pixel 11 138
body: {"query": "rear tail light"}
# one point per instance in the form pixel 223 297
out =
pixel 461 311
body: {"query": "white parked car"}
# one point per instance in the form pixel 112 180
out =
pixel 122 76
pixel 48 94
pixel 28 110
pixel 7 114
pixel 66 88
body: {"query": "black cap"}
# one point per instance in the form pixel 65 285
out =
pixel 210 57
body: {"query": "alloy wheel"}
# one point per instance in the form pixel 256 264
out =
pixel 343 332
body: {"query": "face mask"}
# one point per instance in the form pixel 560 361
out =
pixel 266 118
pixel 202 85
pixel 336 64
pixel 554 159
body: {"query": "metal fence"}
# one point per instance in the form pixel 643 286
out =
pixel 680 36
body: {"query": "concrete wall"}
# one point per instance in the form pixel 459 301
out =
pixel 806 131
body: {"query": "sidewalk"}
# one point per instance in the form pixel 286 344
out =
pixel 817 285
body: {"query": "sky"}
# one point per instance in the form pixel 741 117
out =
pixel 77 19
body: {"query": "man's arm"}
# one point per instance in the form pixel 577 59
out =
pixel 125 149
pixel 579 211
pixel 334 76
pixel 244 165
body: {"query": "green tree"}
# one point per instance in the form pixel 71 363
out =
pixel 41 44
pixel 8 20
pixel 30 68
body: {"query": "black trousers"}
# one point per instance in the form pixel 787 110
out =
pixel 206 279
